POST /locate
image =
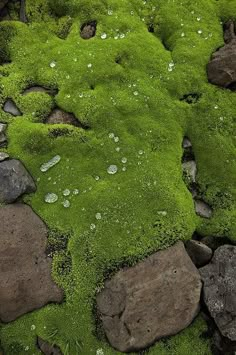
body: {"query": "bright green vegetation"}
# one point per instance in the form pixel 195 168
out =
pixel 130 91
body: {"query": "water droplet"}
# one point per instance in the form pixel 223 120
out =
pixel 98 216
pixel 162 213
pixel 117 149
pixel 51 198
pixel 111 135
pixel 33 327
pixel 124 168
pixel 124 160
pixel 198 19
pixel 110 12
pixel 140 152
pixel 53 64
pixel 46 166
pixel 216 107
pixel 116 139
pixel 135 93
pixel 103 36
pixel 66 203
pixel 92 226
pixel 182 34
pixel 199 32
pixel 89 65
pixel 112 169
pixel 122 35
pixel 66 192
pixel 75 59
pixel 97 178
pixel 75 192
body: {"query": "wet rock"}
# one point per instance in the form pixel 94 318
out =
pixel 58 116
pixel 203 209
pixel 221 69
pixel 88 30
pixel 14 181
pixel 48 349
pixel 3 156
pixel 219 289
pixel 25 270
pixel 190 170
pixel 156 298
pixel 199 253
pixel 11 108
pixel 41 89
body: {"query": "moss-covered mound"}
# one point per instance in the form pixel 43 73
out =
pixel 138 87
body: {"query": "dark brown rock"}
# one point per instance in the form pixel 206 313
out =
pixel 156 298
pixel 25 270
pixel 88 30
pixel 219 289
pixel 199 253
pixel 58 116
pixel 221 69
pixel 3 3
pixel 14 181
pixel 48 349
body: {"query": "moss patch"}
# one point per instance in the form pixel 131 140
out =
pixel 127 83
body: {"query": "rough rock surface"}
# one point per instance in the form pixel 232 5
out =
pixel 11 108
pixel 47 348
pixel 156 298
pixel 88 30
pixel 14 181
pixel 58 116
pixel 221 69
pixel 3 3
pixel 199 253
pixel 25 270
pixel 3 138
pixel 202 209
pixel 219 289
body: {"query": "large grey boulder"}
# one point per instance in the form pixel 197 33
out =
pixel 14 181
pixel 25 270
pixel 156 298
pixel 219 289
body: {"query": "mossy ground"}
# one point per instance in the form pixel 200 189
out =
pixel 130 91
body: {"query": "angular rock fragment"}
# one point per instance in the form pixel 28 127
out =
pixel 3 156
pixel 203 209
pixel 11 108
pixel 88 30
pixel 199 253
pixel 14 181
pixel 186 143
pixel 156 298
pixel 48 349
pixel 25 270
pixel 221 69
pixel 219 289
pixel 190 169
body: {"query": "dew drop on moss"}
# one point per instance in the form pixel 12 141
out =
pixel 46 166
pixel 112 169
pixel 51 198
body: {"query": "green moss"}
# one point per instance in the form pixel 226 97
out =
pixel 130 92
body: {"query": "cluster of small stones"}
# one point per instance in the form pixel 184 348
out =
pixel 189 168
